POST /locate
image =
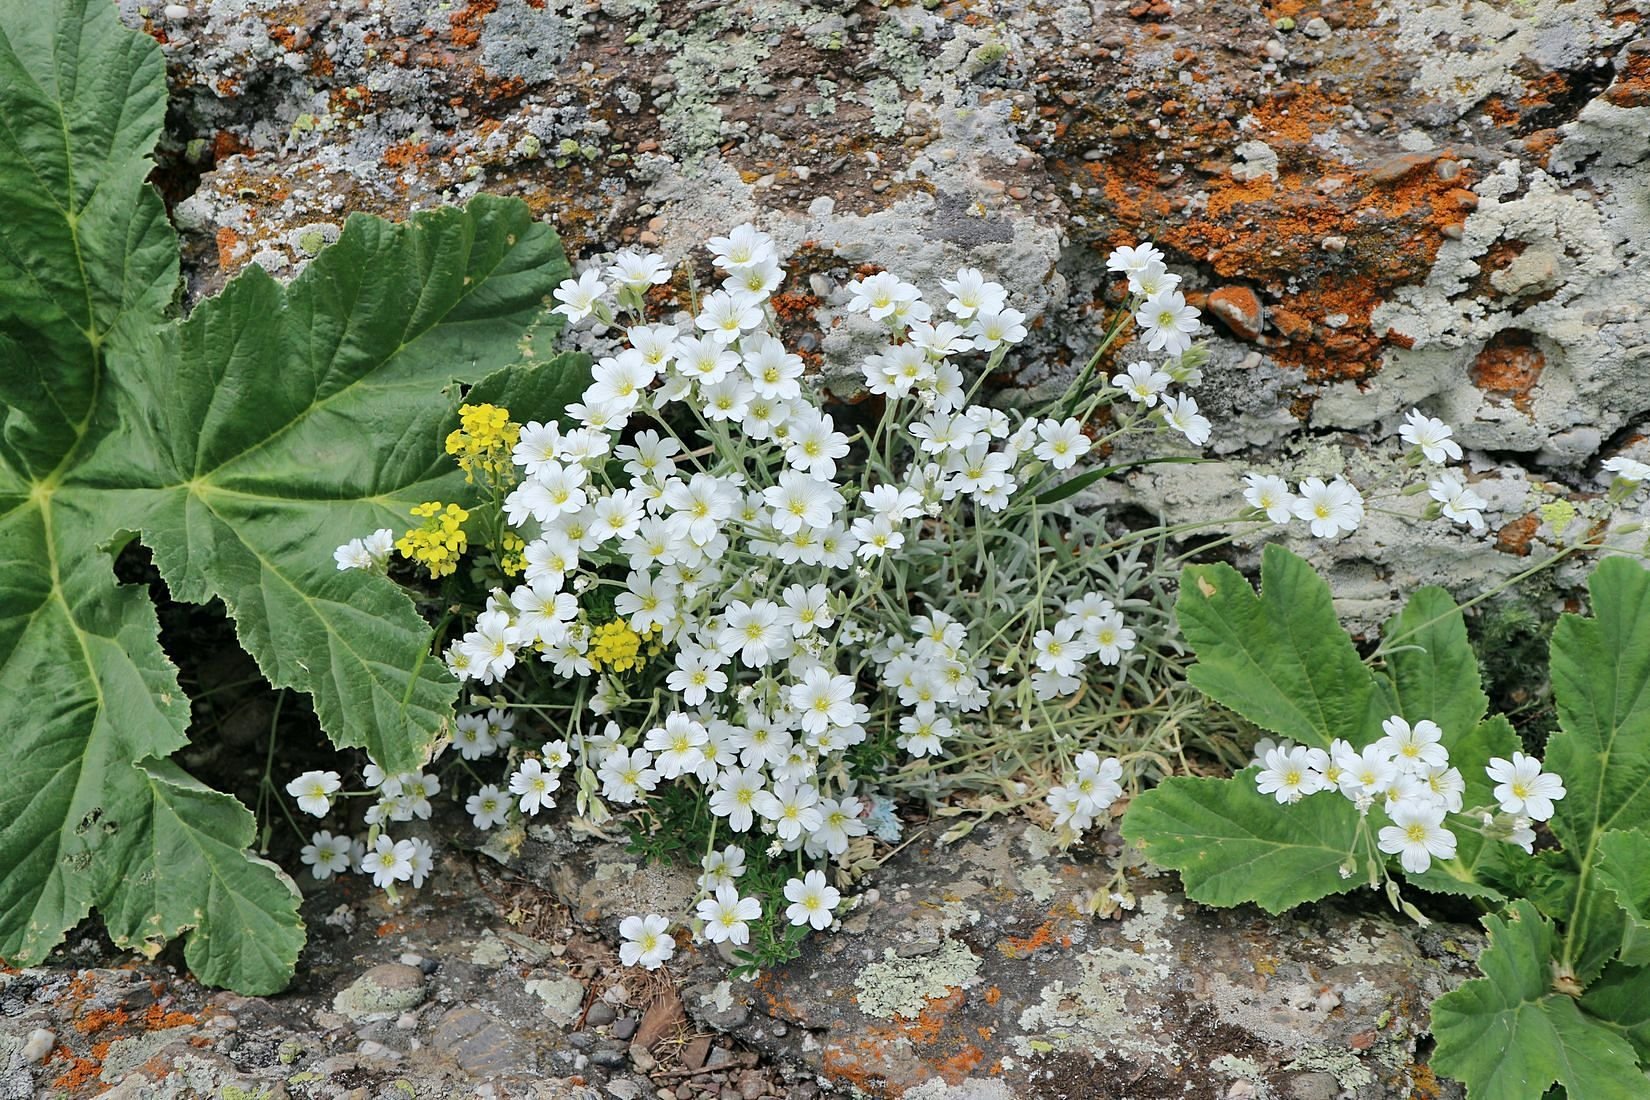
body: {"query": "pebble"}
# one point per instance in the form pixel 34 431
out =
pixel 1018 192
pixel 642 1058
pixel 38 1045
pixel 175 13
pixel 388 989
pixel 1317 27
pixel 1241 309
pixel 625 1027
pixel 609 1055
pixel 600 1015
pixel 625 1088
pixel 1333 244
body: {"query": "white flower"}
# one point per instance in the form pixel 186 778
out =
pixel 326 855
pixel 735 797
pixel 725 317
pixel 1271 495
pixel 620 379
pixel 1365 776
pixel 371 552
pixel 422 861
pixel 646 942
pixel 1628 469
pixel 578 297
pixel 839 824
pixel 722 868
pixel 389 861
pixel 1431 435
pixel 822 700
pixel 725 915
pixel 1062 443
pixel 624 774
pixel 677 745
pixel 1143 382
pixel 1168 322
pixel 535 786
pixel 994 327
pixel 1180 413
pixel 811 900
pixel 753 631
pixel 881 295
pixel 1523 788
pixel 799 499
pixel 745 246
pixel 1331 509
pixel 314 791
pixel 636 271
pixel 1416 835
pixel 1061 650
pixel 1132 259
pixel 487 807
pixel 1293 773
pixel 760 279
pixel 970 293
pixel 1459 502
pixel 806 609
pixel 697 675
pixel 774 372
pixel 1109 637
pixel 792 807
pixel 815 445
pixel 1413 748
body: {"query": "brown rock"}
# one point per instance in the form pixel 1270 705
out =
pixel 1396 167
pixel 1241 310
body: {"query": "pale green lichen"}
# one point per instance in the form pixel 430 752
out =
pixel 902 987
pixel 1344 1066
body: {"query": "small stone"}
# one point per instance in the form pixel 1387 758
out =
pixel 1333 244
pixel 386 990
pixel 1396 167
pixel 1018 193
pixel 39 1044
pixel 880 186
pixel 642 1058
pixel 1240 308
pixel 1276 50
pixel 1317 27
pixel 1314 1086
pixel 600 1015
pixel 175 13
pixel 625 1027
pixel 1447 170
pixel 609 1055
pixel 625 1088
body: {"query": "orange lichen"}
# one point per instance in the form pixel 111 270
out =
pixel 1018 947
pixel 407 153
pixel 466 24
pixel 1509 367
pixel 1516 536
pixel 99 1018
pixel 231 249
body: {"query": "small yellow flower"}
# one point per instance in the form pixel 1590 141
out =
pixel 615 646
pixel 483 441
pixel 439 541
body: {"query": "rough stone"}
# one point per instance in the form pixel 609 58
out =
pixel 382 992
pixel 1241 310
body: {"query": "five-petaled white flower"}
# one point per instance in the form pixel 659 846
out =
pixel 1331 509
pixel 1431 435
pixel 647 941
pixel 1523 788
pixel 725 914
pixel 314 791
pixel 812 900
pixel 1417 835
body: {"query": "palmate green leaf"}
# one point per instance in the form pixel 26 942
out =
pixel 1621 999
pixel 243 445
pixel 301 416
pixel 1624 870
pixel 1232 844
pixel 1481 867
pixel 1601 683
pixel 86 252
pixel 1280 659
pixel 1509 1036
pixel 1431 671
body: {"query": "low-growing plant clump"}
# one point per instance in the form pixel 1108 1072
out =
pixel 686 592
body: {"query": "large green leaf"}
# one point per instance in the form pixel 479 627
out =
pixel 241 446
pixel 1431 670
pixel 1280 659
pixel 1232 844
pixel 1621 999
pixel 1601 683
pixel 86 252
pixel 1624 870
pixel 1509 1036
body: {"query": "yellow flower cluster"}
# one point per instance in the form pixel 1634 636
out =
pixel 484 440
pixel 439 541
pixel 510 557
pixel 615 646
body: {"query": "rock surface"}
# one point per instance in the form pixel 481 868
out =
pixel 1383 203
pixel 966 971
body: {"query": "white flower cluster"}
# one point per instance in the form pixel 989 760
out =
pixel 761 561
pixel 1337 508
pixel 1407 775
